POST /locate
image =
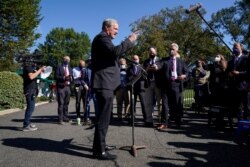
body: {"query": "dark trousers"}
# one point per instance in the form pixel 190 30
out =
pixel 141 95
pixel 172 104
pixel 30 100
pixel 104 104
pixel 63 95
pixel 80 94
pixel 238 103
pixel 149 97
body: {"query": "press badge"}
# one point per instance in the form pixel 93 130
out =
pixel 173 74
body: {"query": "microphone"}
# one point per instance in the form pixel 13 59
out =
pixel 196 7
pixel 130 61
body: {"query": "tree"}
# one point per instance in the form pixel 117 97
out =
pixel 18 22
pixel 174 25
pixel 60 42
pixel 234 21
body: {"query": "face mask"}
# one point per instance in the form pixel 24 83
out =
pixel 123 66
pixel 136 61
pixel 66 62
pixel 236 52
pixel 198 64
pixel 152 55
pixel 217 59
pixel 172 52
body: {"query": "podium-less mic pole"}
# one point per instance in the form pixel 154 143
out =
pixel 196 8
pixel 133 148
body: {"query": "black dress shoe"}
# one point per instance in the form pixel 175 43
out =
pixel 149 124
pixel 109 148
pixel 105 156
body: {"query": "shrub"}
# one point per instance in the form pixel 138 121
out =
pixel 11 90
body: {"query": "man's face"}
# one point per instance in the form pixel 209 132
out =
pixel 152 52
pixel 112 31
pixel 82 64
pixel 136 59
pixel 173 50
pixel 237 49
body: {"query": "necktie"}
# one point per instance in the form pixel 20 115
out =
pixel 236 62
pixel 82 73
pixel 173 69
pixel 135 70
pixel 66 71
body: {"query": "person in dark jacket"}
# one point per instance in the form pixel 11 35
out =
pixel 153 91
pixel 63 77
pixel 237 71
pixel 175 72
pixel 105 79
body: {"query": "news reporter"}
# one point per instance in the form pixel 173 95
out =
pixel 63 77
pixel 105 79
pixel 30 91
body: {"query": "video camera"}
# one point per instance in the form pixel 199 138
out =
pixel 35 59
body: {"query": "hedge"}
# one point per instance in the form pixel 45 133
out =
pixel 11 90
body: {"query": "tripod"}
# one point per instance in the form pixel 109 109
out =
pixel 133 148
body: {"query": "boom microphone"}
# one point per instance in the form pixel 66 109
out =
pixel 196 7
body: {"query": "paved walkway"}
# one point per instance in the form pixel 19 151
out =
pixel 69 145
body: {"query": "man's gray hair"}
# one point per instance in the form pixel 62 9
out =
pixel 108 23
pixel 176 45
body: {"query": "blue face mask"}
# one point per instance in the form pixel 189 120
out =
pixel 236 51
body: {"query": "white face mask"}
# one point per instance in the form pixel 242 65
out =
pixel 172 52
pixel 136 61
pixel 217 59
pixel 123 66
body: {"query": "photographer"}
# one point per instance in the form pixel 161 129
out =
pixel 30 91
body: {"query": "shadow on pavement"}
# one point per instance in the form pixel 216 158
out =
pixel 41 119
pixel 10 128
pixel 205 154
pixel 46 145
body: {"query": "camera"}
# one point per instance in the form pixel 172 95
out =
pixel 35 59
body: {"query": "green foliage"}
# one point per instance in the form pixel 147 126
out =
pixel 60 42
pixel 18 22
pixel 42 99
pixel 174 25
pixel 11 91
pixel 234 21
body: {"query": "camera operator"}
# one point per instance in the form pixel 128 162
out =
pixel 30 91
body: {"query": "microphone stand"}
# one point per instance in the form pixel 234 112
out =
pixel 198 12
pixel 134 148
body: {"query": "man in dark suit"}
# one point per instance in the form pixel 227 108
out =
pixel 105 79
pixel 237 70
pixel 63 77
pixel 139 87
pixel 152 92
pixel 175 72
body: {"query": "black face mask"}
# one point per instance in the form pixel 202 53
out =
pixel 236 51
pixel 65 63
pixel 152 55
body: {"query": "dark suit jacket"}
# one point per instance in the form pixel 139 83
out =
pixel 241 67
pixel 166 71
pixel 140 84
pixel 104 61
pixel 59 76
pixel 156 74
